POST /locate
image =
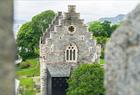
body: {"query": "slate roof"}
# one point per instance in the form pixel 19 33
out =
pixel 59 70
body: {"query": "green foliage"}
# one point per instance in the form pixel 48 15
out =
pixel 102 53
pixel 102 40
pixel 27 86
pixel 31 71
pixel 24 41
pixel 102 61
pixel 25 75
pixel 102 29
pixel 29 34
pixel 41 21
pixel 97 29
pixel 102 32
pixel 87 79
pixel 107 28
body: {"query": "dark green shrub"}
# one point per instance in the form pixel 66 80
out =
pixel 87 79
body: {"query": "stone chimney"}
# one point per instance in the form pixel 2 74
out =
pixel 71 8
pixel 59 13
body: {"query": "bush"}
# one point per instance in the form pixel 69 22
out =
pixel 102 53
pixel 87 79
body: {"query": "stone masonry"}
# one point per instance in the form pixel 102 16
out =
pixel 7 48
pixel 66 44
pixel 122 76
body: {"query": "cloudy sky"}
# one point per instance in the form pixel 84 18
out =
pixel 90 10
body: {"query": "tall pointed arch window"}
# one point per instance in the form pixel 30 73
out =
pixel 71 53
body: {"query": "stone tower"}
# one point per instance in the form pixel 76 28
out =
pixel 65 44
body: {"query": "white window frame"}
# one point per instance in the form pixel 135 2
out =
pixel 71 53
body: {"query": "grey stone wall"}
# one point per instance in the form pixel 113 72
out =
pixel 60 37
pixel 7 50
pixel 122 76
pixel 55 40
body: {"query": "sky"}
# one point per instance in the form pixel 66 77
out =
pixel 90 10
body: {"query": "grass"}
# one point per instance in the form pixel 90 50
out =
pixel 102 61
pixel 27 82
pixel 26 74
pixel 33 70
pixel 27 85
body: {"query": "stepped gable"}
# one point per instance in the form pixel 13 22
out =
pixel 65 44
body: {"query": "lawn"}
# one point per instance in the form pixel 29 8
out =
pixel 26 70
pixel 27 85
pixel 32 70
pixel 102 61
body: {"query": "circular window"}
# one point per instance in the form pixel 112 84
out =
pixel 71 29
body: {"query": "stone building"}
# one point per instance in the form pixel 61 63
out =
pixel 65 44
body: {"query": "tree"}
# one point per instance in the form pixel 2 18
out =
pixel 87 79
pixel 29 34
pixel 24 41
pixel 40 23
pixel 107 28
pixel 104 29
pixel 97 29
pixel 102 32
pixel 102 41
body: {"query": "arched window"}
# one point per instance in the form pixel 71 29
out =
pixel 71 53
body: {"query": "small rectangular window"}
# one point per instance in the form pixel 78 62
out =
pixel 70 54
pixel 73 54
pixel 67 55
